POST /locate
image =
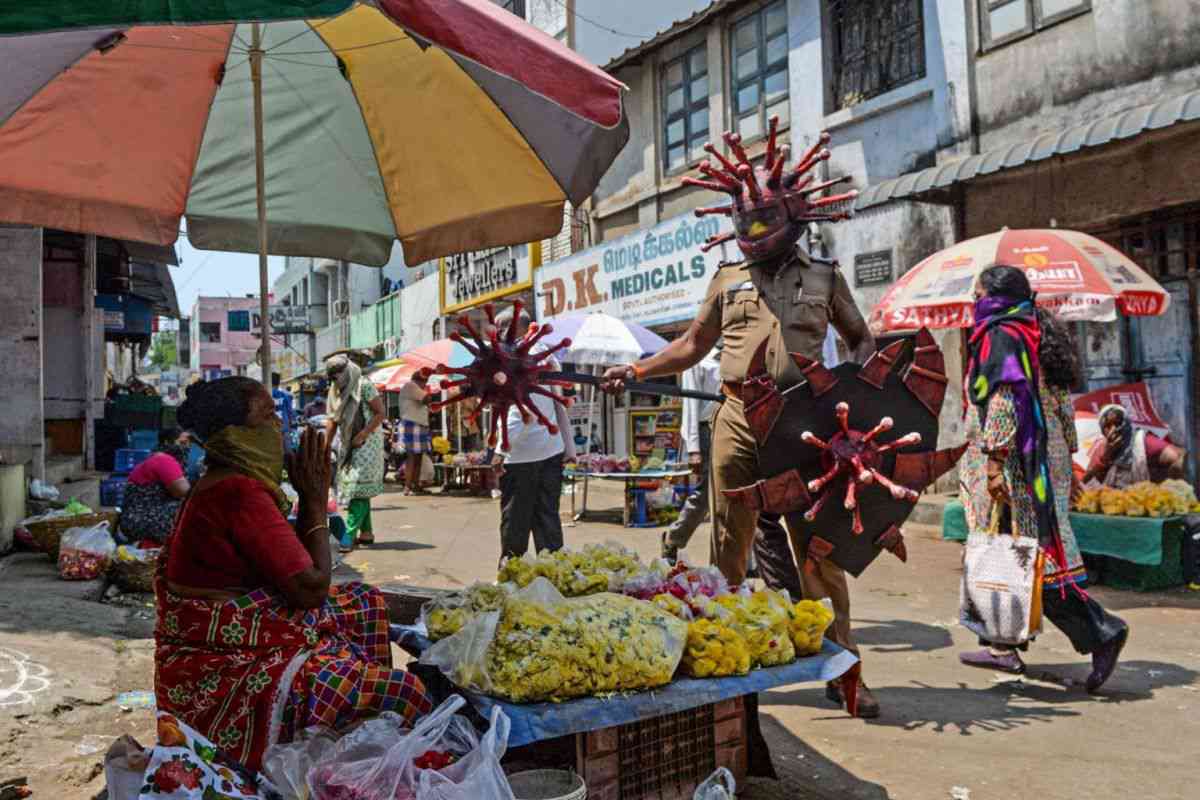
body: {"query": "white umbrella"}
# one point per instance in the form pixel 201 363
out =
pixel 598 339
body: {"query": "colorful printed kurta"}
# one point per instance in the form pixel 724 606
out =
pixel 362 476
pixel 1000 433
pixel 249 672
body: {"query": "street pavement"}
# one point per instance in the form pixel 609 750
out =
pixel 946 731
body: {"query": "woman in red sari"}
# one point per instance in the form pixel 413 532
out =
pixel 252 642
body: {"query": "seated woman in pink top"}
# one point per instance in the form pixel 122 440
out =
pixel 155 489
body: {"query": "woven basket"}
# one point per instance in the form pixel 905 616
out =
pixel 133 576
pixel 47 534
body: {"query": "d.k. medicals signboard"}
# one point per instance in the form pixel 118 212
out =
pixel 650 277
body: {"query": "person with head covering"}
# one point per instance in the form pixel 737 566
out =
pixel 252 643
pixel 1020 429
pixel 1127 455
pixel 155 488
pixel 355 414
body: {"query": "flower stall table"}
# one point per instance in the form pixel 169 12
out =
pixel 652 744
pixel 468 478
pixel 629 479
pixel 1139 553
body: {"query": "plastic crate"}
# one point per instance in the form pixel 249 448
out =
pixel 112 491
pixel 127 458
pixel 143 439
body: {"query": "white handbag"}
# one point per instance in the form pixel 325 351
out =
pixel 1000 597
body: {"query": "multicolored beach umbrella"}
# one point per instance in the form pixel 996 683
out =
pixel 450 125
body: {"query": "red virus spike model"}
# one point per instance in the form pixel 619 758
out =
pixel 504 372
pixel 771 205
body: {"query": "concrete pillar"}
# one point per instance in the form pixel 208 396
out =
pixel 22 425
pixel 91 381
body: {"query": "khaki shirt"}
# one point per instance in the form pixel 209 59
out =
pixel 790 308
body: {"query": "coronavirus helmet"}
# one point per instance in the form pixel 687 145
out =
pixel 771 204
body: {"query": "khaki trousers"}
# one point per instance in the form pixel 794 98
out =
pixel 734 465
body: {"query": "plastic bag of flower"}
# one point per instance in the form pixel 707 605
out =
pixel 807 622
pixel 762 619
pixel 595 568
pixel 447 614
pixel 714 650
pixel 543 646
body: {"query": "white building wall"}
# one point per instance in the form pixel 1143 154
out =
pixel 419 309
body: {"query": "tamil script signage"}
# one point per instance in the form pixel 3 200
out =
pixel 650 277
pixel 470 279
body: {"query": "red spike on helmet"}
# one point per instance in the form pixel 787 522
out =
pixel 771 205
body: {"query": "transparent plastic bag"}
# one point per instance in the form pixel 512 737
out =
pixel 542 646
pixel 85 554
pixel 288 765
pixel 379 764
pixel 446 614
pixel 719 786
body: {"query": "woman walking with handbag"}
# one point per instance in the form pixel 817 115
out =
pixel 1021 430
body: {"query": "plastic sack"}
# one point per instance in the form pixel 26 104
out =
pixel 372 768
pixel 40 490
pixel 288 765
pixel 446 614
pixel 807 622
pixel 84 554
pixel 184 765
pixel 719 786
pixel 124 764
pixel 542 646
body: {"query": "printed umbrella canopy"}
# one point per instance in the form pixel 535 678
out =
pixel 442 351
pixel 323 128
pixel 1076 275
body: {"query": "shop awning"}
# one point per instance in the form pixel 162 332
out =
pixel 926 183
pixel 152 282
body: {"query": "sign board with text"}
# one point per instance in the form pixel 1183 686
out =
pixel 469 279
pixel 873 269
pixel 651 277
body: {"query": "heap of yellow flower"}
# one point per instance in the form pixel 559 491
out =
pixel 673 606
pixel 577 647
pixel 441 445
pixel 808 620
pixel 1142 499
pixel 714 650
pixel 762 619
pixel 595 568
pixel 446 615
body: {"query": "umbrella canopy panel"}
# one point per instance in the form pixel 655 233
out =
pixel 468 132
pixel 601 339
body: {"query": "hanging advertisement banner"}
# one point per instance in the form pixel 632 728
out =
pixel 651 277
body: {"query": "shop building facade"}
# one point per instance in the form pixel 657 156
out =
pixel 1086 117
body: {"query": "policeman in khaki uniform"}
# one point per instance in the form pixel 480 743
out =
pixel 780 295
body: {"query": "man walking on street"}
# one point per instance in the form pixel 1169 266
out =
pixel 783 301
pixel 696 429
pixel 414 434
pixel 531 468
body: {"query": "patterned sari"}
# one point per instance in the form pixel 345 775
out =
pixel 250 672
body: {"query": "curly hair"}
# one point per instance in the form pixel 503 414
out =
pixel 1057 353
pixel 213 405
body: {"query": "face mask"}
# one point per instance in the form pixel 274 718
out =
pixel 255 452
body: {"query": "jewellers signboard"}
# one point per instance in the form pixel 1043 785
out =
pixel 650 277
pixel 473 278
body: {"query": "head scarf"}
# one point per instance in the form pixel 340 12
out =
pixel 255 452
pixel 1003 352
pixel 345 379
pixel 1122 457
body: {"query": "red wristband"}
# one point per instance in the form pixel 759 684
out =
pixel 638 372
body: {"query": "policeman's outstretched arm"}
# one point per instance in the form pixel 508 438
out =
pixel 681 354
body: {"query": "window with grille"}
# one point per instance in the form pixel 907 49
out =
pixel 515 6
pixel 878 45
pixel 759 80
pixel 1001 21
pixel 685 107
pixel 210 332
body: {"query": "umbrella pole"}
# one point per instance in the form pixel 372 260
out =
pixel 260 180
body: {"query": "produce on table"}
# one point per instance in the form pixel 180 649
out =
pixel 542 646
pixel 1142 499
pixel 807 622
pixel 714 650
pixel 447 614
pixel 673 606
pixel 440 444
pixel 763 619
pixel 595 568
